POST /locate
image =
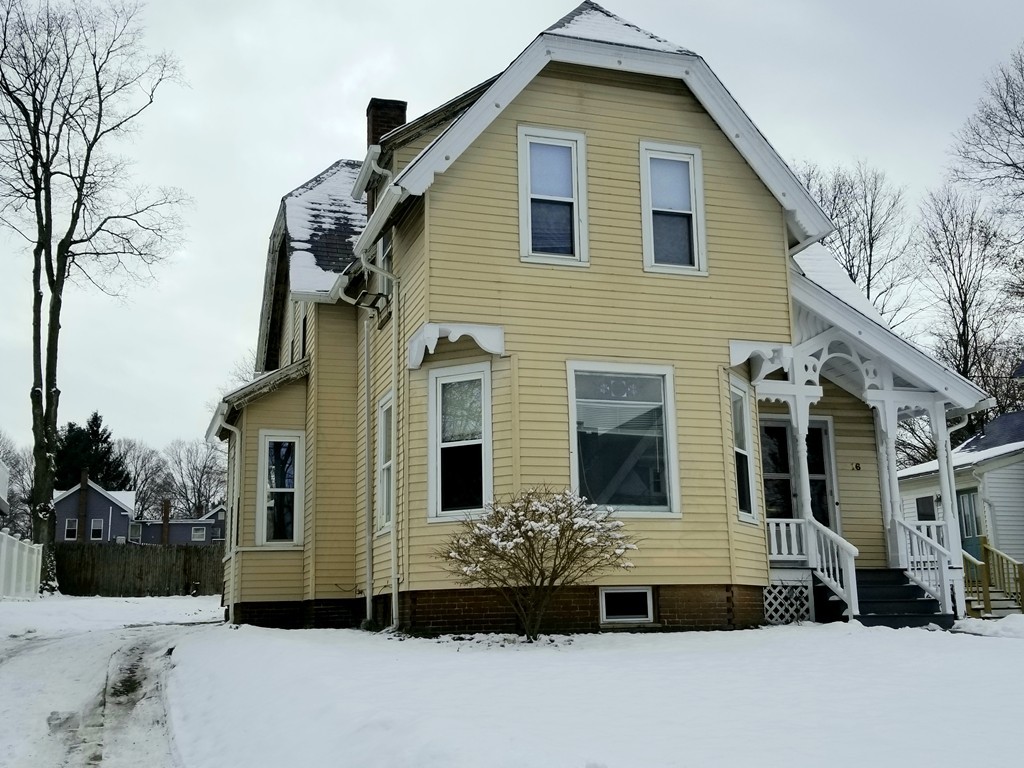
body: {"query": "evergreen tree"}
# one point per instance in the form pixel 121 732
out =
pixel 89 446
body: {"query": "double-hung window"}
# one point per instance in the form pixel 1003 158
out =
pixel 552 196
pixel 385 462
pixel 96 529
pixel 280 499
pixel 623 437
pixel 671 192
pixel 460 440
pixel 742 450
pixel 71 529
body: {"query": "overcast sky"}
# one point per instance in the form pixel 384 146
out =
pixel 278 91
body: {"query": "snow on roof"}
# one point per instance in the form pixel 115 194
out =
pixel 1003 436
pixel 592 22
pixel 124 499
pixel 322 223
pixel 820 267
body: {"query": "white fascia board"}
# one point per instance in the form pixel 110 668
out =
pixel 953 387
pixel 314 297
pixel 217 422
pixel 365 171
pixel 802 211
pixel 392 196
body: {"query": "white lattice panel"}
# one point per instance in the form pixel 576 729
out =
pixel 786 603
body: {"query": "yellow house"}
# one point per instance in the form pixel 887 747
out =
pixel 591 271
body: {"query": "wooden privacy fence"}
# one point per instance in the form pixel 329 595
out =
pixel 132 570
pixel 20 564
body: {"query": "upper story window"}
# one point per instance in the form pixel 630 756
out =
pixel 622 436
pixel 385 260
pixel 385 462
pixel 552 196
pixel 671 194
pixel 460 440
pixel 742 450
pixel 280 496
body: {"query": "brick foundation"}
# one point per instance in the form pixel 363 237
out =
pixel 302 614
pixel 574 609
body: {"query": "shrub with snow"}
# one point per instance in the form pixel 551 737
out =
pixel 529 545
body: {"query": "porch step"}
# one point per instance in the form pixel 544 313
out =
pixel 1001 605
pixel 888 599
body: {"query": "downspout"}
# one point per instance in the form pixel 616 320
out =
pixel 233 518
pixel 368 265
pixel 110 520
pixel 368 479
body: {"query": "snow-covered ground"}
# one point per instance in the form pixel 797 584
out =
pixel 94 679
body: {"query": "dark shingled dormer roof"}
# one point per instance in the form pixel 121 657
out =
pixel 322 223
pixel 1002 430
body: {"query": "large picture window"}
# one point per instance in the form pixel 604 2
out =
pixel 281 476
pixel 671 192
pixel 742 450
pixel 460 440
pixel 623 436
pixel 552 188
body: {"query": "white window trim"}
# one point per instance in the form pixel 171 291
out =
pixel 383 254
pixel 630 620
pixel 672 436
pixel 137 527
pixel 578 142
pixel 436 378
pixel 649 149
pixel 265 437
pixel 201 529
pixel 740 387
pixel 67 525
pixel 96 529
pixel 381 525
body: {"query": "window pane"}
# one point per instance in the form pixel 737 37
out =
pixel 462 478
pixel 775 449
pixel 926 508
pixel 673 238
pixel 626 605
pixel 743 482
pixel 670 184
pixel 629 387
pixel 281 464
pixel 552 227
pixel 550 170
pixel 778 497
pixel 385 435
pixel 739 421
pixel 816 451
pixel 461 411
pixel 820 502
pixel 280 516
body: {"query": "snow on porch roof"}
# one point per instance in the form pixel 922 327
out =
pixel 592 22
pixel 322 223
pixel 821 268
pixel 1003 436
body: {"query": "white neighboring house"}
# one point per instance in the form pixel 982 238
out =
pixel 989 481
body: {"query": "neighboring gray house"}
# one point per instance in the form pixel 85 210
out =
pixel 989 476
pixel 110 517
pixel 108 514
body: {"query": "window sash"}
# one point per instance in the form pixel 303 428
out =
pixel 385 463
pixel 71 529
pixel 281 487
pixel 743 455
pixel 623 436
pixel 198 533
pixel 135 532
pixel 96 529
pixel 672 224
pixel 460 480
pixel 626 618
pixel 552 189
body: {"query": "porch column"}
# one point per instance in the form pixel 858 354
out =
pixel 886 426
pixel 947 488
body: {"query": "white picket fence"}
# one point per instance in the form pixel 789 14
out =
pixel 19 566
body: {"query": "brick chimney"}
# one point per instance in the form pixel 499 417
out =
pixel 382 117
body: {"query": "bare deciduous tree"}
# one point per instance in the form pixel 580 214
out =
pixel 74 77
pixel 149 474
pixel 197 472
pixel 873 237
pixel 531 545
pixel 19 462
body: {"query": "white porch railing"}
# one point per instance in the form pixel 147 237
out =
pixel 934 530
pixel 928 564
pixel 830 556
pixel 19 566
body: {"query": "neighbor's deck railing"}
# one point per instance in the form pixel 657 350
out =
pixel 928 564
pixel 20 563
pixel 976 582
pixel 808 542
pixel 1005 574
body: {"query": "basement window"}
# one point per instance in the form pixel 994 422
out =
pixel 627 605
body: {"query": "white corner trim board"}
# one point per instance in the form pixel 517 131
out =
pixel 490 338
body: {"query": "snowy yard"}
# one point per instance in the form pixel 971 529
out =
pixel 837 695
